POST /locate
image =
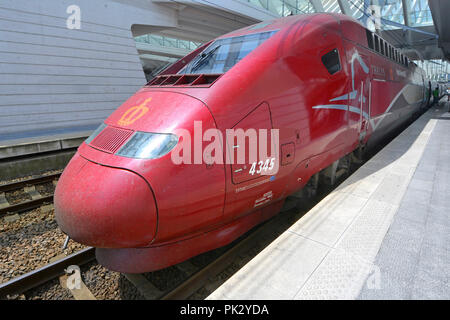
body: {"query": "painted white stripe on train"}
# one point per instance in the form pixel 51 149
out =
pixel 390 107
pixel 345 108
pixel 346 96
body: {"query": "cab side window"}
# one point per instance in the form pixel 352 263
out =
pixel 331 61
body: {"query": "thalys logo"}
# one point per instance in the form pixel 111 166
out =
pixel 134 113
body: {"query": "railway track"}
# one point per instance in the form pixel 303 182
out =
pixel 46 273
pixel 29 188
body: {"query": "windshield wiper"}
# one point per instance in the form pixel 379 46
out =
pixel 203 59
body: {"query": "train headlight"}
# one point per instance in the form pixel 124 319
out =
pixel 147 145
pixel 95 133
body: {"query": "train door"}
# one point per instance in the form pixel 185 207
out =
pixel 248 187
pixel 359 97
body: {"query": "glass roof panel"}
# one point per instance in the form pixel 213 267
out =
pixel 392 10
pixel 299 6
pixel 420 14
pixel 167 42
pixel 357 8
pixel 284 8
pixel 331 6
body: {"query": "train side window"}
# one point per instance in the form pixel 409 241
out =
pixel 369 39
pixel 331 61
pixel 386 49
pixel 377 44
pixel 382 46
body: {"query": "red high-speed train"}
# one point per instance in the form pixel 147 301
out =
pixel 330 86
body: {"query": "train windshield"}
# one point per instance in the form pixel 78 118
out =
pixel 221 55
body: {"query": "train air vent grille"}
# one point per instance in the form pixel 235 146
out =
pixel 111 139
pixel 187 80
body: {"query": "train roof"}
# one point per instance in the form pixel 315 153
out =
pixel 286 22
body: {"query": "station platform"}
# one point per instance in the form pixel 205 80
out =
pixel 21 145
pixel 23 155
pixel 384 233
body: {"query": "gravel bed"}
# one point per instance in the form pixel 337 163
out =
pixel 103 284
pixel 52 290
pixel 46 189
pixel 30 242
pixel 17 196
pixel 108 285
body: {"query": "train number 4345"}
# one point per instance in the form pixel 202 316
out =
pixel 262 166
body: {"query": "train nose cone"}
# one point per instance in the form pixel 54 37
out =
pixel 104 207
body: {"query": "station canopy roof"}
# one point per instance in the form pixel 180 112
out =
pixel 407 24
pixel 420 28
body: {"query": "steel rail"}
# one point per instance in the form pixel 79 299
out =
pixel 33 181
pixel 26 205
pixel 46 273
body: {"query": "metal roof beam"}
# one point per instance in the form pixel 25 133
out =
pixel 406 5
pixel 404 27
pixel 146 48
pixel 158 58
pixel 345 7
pixel 317 5
pixel 406 10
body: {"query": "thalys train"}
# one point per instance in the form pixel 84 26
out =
pixel 328 85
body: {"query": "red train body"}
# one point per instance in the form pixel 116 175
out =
pixel 312 77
